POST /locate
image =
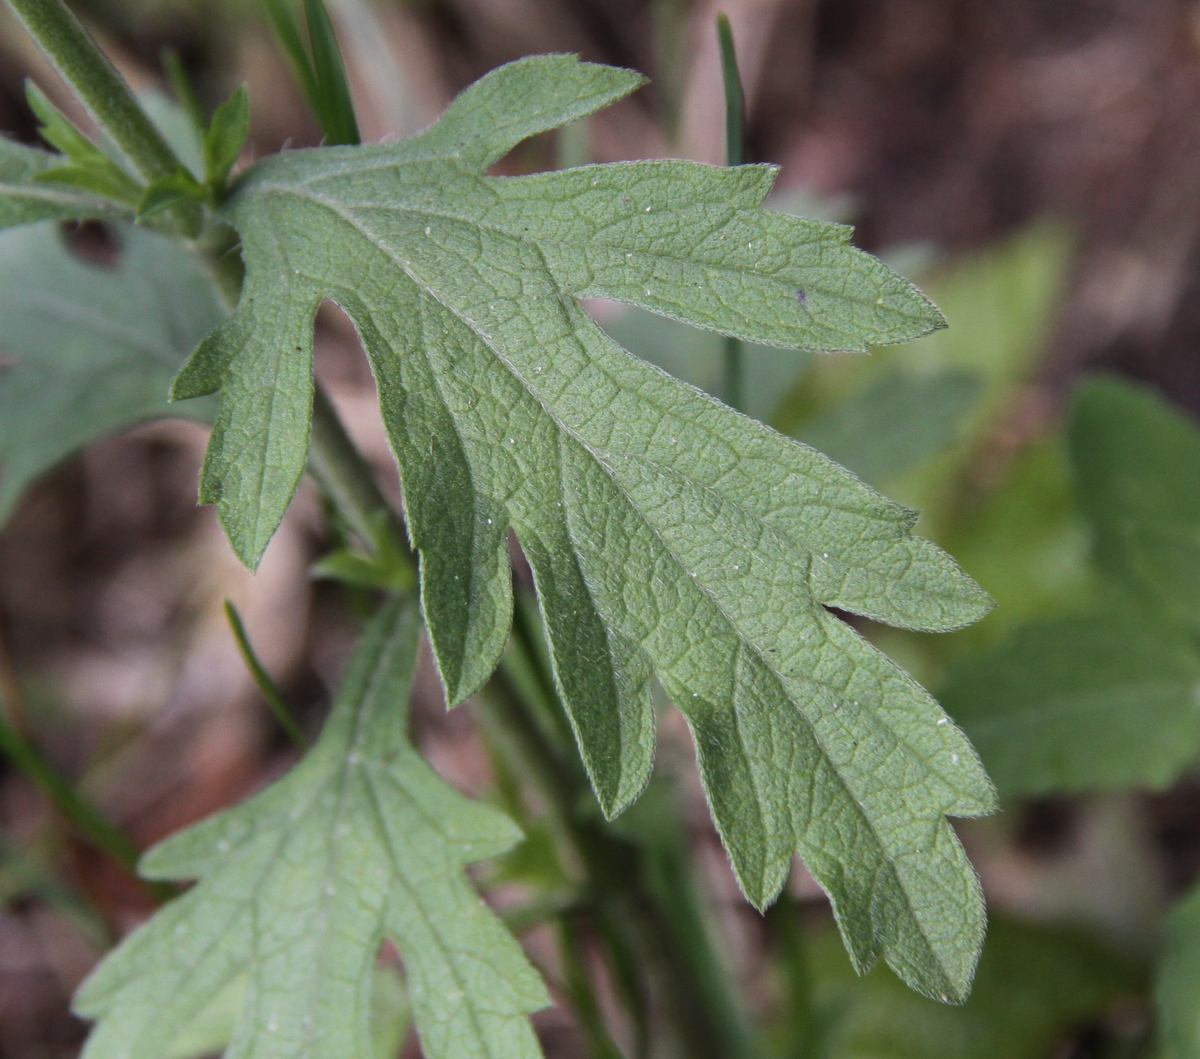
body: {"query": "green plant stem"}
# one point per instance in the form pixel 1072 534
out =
pixel 98 85
pixel 735 154
pixel 334 101
pixel 263 679
pixel 795 1021
pixel 732 371
pixel 571 939
pixel 735 97
pixel 348 480
pixel 615 883
pixel 181 85
pixel 30 877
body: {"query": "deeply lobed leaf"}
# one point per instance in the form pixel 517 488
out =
pixel 669 536
pixel 300 885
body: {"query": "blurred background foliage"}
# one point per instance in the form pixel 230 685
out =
pixel 1035 166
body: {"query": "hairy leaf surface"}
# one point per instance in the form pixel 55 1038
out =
pixel 90 349
pixel 299 886
pixel 669 536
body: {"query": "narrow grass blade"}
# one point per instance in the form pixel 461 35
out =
pixel 263 679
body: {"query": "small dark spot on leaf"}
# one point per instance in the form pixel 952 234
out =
pixel 7 363
pixel 802 296
pixel 92 242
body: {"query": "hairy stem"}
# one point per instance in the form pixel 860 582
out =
pixel 348 480
pixel 98 85
pixel 795 994
pixel 572 942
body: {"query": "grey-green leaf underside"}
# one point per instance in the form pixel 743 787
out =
pixel 669 537
pixel 300 885
pixel 87 349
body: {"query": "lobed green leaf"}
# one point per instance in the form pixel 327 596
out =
pixel 669 537
pixel 300 885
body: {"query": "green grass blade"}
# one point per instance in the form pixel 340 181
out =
pixel 185 92
pixel 336 107
pixel 263 679
pixel 66 799
pixel 289 36
pixel 735 97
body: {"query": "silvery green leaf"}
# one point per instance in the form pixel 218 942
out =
pixel 669 536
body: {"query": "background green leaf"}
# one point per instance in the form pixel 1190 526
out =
pixel 1137 467
pixel 24 199
pixel 1177 986
pixel 1111 696
pixel 1081 703
pixel 894 423
pixel 90 349
pixel 1034 990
